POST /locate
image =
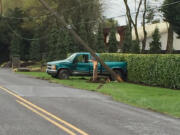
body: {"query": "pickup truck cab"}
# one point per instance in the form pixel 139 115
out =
pixel 80 64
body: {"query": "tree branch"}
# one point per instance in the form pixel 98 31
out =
pixel 144 27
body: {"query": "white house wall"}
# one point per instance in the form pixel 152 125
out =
pixel 163 40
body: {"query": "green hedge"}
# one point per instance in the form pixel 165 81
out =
pixel 151 69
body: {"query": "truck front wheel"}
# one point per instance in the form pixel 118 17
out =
pixel 63 74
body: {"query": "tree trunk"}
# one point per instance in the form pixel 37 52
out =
pixel 169 48
pixel 82 42
pixel 136 19
pixel 144 28
pixel 128 13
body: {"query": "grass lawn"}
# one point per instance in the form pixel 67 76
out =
pixel 158 99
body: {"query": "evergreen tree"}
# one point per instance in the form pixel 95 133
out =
pixel 18 46
pixel 35 50
pixel 112 41
pixel 70 43
pixel 58 44
pixel 15 45
pixel 63 44
pixel 4 40
pixel 83 34
pixel 100 46
pixel 135 48
pixel 155 45
pixel 52 43
pixel 171 14
pixel 127 43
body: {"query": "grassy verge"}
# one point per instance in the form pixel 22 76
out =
pixel 163 100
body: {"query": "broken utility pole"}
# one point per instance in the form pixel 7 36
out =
pixel 83 43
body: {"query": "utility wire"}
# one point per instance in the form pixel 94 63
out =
pixel 165 5
pixel 30 39
pixel 93 21
pixel 45 15
pixel 49 14
pixel 36 39
pixel 24 38
pixel 29 17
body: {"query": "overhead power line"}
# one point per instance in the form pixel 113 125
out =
pixel 24 38
pixel 49 14
pixel 45 15
pixel 92 21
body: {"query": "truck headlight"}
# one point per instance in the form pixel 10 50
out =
pixel 53 67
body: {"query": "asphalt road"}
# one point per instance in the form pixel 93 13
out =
pixel 35 107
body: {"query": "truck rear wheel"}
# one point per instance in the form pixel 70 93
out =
pixel 63 74
pixel 119 72
pixel 53 76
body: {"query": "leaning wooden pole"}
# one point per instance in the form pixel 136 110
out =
pixel 82 42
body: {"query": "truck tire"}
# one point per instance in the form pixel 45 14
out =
pixel 53 76
pixel 63 74
pixel 119 72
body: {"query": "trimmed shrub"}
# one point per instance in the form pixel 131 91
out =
pixel 152 69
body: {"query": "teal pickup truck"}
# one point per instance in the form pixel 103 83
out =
pixel 80 64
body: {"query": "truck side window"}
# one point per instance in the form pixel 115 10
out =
pixel 82 59
pixel 86 58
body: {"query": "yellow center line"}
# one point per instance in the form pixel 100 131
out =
pixel 44 111
pixel 46 118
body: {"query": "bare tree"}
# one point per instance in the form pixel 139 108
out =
pixel 169 48
pixel 130 19
pixel 144 27
pixel 128 14
pixel 82 42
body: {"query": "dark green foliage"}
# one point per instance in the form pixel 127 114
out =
pixel 100 45
pixel 84 20
pixel 15 46
pixel 127 43
pixel 4 41
pixel 17 13
pixel 112 41
pixel 109 23
pixel 135 48
pixel 35 51
pixel 18 46
pixel 156 70
pixel 155 45
pixel 171 14
pixel 84 35
pixel 150 14
pixel 58 44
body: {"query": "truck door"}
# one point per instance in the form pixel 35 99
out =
pixel 91 68
pixel 81 65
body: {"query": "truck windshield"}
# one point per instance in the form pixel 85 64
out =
pixel 71 58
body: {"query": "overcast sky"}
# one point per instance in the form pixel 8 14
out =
pixel 114 8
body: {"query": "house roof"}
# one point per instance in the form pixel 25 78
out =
pixel 163 28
